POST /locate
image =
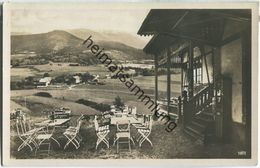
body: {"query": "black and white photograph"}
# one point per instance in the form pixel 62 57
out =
pixel 130 82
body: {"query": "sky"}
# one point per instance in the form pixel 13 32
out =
pixel 39 19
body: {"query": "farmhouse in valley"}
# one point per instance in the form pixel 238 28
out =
pixel 44 82
pixel 77 79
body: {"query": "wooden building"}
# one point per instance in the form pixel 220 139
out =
pixel 213 50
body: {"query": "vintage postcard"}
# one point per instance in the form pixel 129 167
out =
pixel 130 84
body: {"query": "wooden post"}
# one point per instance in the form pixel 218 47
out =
pixel 195 68
pixel 180 103
pixel 201 71
pixel 156 77
pixel 180 108
pixel 216 61
pixel 185 108
pixel 182 73
pixel 190 71
pixel 182 80
pixel 168 80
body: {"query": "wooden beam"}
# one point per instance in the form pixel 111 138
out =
pixel 172 65
pixel 179 20
pixel 179 65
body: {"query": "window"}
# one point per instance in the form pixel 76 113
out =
pixel 197 71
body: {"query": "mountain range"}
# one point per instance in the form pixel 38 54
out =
pixel 70 42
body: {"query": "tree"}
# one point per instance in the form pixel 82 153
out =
pixel 87 77
pixel 29 78
pixel 59 79
pixel 70 80
pixel 46 75
pixel 118 102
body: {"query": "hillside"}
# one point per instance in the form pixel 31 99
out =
pixel 44 43
pixel 61 46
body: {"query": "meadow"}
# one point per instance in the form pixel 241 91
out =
pixel 54 69
pixel 18 74
pixel 66 97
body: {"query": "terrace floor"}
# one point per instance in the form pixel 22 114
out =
pixel 166 145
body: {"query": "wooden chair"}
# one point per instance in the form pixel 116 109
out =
pixel 101 132
pixel 123 133
pixel 25 134
pixel 44 138
pixel 142 120
pixel 72 134
pixel 145 130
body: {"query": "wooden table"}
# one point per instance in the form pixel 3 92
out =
pixel 132 119
pixel 35 130
pixel 51 123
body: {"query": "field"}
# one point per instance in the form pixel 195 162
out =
pixel 66 97
pixel 18 74
pixel 54 69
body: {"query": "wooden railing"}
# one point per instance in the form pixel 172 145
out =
pixel 201 99
pixel 176 59
pixel 197 103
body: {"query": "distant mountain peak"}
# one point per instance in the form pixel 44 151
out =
pixel 109 35
pixel 64 44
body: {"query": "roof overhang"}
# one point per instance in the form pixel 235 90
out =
pixel 201 25
pixel 160 20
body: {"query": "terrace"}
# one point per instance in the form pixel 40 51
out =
pixel 165 145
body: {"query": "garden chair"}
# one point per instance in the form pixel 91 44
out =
pixel 123 133
pixel 25 133
pixel 145 130
pixel 101 132
pixel 44 138
pixel 72 134
pixel 142 121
